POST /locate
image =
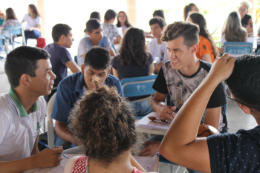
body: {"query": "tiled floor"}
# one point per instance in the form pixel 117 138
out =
pixel 236 118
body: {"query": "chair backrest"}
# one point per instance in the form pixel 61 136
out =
pixel 238 48
pixel 15 30
pixel 50 129
pixel 1 21
pixel 2 40
pixel 138 86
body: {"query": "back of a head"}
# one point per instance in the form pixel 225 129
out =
pixel 158 20
pixel 133 48
pixel 188 31
pixel 95 15
pixel 110 14
pixel 92 24
pixel 23 60
pixel 159 13
pixel 59 30
pixel 187 9
pixel 97 58
pixel 233 30
pixel 104 123
pixel 34 9
pixel 244 82
pixel 10 14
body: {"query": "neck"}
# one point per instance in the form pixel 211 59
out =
pixel 159 40
pixel 59 43
pixel 108 22
pixel 33 16
pixel 192 67
pixel 122 23
pixel 120 164
pixel 93 42
pixel 26 97
pixel 256 115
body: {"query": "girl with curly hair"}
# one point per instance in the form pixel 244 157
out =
pixel 134 61
pixel 103 122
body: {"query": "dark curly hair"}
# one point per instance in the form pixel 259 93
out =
pixel 104 123
pixel 133 48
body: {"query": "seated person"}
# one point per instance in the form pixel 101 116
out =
pixel 122 22
pixel 188 73
pixel 106 130
pixel 188 9
pixel 11 19
pixel 246 19
pixel 109 29
pixel 23 111
pixel 230 152
pixel 134 61
pixel 97 64
pixel 93 15
pixel 207 51
pixel 159 13
pixel 156 47
pixel 95 38
pixel 33 20
pixel 60 56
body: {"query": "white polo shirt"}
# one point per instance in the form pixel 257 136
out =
pixel 158 50
pixel 32 22
pixel 18 130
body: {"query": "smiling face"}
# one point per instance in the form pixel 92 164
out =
pixel 90 74
pixel 42 84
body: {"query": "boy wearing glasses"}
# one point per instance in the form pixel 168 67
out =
pixel 246 19
pixel 237 152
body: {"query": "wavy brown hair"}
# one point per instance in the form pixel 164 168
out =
pixel 133 48
pixel 104 123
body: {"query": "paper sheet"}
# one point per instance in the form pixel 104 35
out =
pixel 145 161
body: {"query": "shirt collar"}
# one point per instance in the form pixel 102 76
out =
pixel 19 105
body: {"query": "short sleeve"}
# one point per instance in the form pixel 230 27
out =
pixel 160 83
pixel 61 106
pixel 4 125
pixel 150 49
pixel 83 47
pixel 115 62
pixel 43 107
pixel 65 56
pixel 108 45
pixel 25 18
pixel 204 48
pixel 39 21
pixel 218 97
pixel 116 33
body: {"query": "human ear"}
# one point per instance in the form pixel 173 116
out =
pixel 82 68
pixel 246 109
pixel 194 48
pixel 108 72
pixel 25 80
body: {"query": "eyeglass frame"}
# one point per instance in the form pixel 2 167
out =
pixel 236 100
pixel 242 9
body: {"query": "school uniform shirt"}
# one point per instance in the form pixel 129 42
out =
pixel 180 87
pixel 32 22
pixel 205 48
pixel 85 45
pixel 158 50
pixel 247 21
pixel 239 152
pixel 18 130
pixel 110 30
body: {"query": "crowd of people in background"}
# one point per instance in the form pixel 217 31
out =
pixel 90 109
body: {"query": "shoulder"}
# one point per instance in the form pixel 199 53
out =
pixel 167 64
pixel 26 16
pixel 111 80
pixel 70 164
pixel 70 81
pixel 203 40
pixel 205 65
pixel 152 42
pixel 5 104
pixel 247 16
pixel 83 41
pixel 42 103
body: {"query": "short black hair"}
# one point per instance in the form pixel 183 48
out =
pixel 23 60
pixel 59 30
pixel 159 13
pixel 92 24
pixel 110 14
pixel 97 58
pixel 158 20
pixel 244 82
pixel 95 15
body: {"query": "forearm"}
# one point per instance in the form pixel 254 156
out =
pixel 158 106
pixel 64 133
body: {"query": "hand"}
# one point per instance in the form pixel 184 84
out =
pixel 49 157
pixel 167 113
pixel 150 149
pixel 222 68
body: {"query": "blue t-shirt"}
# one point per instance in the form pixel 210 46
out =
pixel 236 153
pixel 59 57
pixel 70 90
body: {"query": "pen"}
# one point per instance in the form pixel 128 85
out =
pixel 153 160
pixel 40 142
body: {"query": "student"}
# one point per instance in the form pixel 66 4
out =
pixel 60 56
pixel 246 19
pixel 122 21
pixel 159 13
pixel 95 38
pixel 109 29
pixel 237 152
pixel 156 47
pixel 134 61
pixel 106 130
pixel 33 20
pixel 188 73
pixel 96 64
pixel 23 111
pixel 207 51
pixel 233 30
pixel 11 19
pixel 95 15
pixel 189 9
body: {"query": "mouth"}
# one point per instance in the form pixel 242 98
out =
pixel 174 62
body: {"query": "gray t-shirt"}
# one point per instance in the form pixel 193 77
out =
pixel 110 30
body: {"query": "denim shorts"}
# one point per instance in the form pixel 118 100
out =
pixel 142 107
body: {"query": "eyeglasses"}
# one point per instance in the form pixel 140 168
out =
pixel 122 16
pixel 241 9
pixel 236 100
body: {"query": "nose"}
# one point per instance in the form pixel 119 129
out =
pixel 53 76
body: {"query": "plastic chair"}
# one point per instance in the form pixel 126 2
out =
pixel 14 31
pixel 238 48
pixel 1 21
pixel 50 129
pixel 4 42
